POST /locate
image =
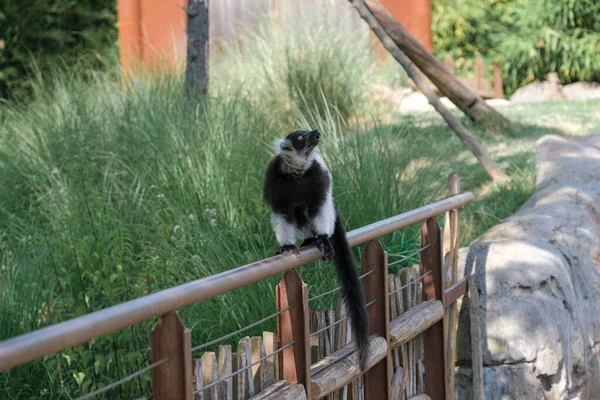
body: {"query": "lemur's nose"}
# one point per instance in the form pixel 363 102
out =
pixel 317 134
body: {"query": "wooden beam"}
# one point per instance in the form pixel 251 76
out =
pixel 293 326
pixel 346 369
pixel 172 379
pixel 455 292
pixel 378 379
pixel 493 170
pixel 415 321
pixel 476 341
pixel 469 102
pixel 433 290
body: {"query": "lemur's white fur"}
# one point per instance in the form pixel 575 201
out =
pixel 294 163
pixel 324 222
pixel 284 231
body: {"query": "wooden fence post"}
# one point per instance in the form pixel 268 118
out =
pixel 378 379
pixel 451 243
pixel 433 290
pixel 498 83
pixel 479 74
pixel 293 326
pixel 476 345
pixel 172 379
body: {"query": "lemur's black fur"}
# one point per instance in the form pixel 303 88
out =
pixel 297 187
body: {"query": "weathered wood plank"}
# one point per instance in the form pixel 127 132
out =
pixel 435 365
pixel 268 392
pixel 210 372
pixel 476 345
pixel 199 379
pixel 293 392
pixel 270 343
pixel 239 381
pixel 293 326
pixel 172 379
pixel 378 381
pixel 258 370
pixel 420 397
pixel 415 321
pixel 244 347
pixel 346 370
pixel 225 369
pixel 398 384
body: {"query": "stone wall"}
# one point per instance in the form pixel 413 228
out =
pixel 539 283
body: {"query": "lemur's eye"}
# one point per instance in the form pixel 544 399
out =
pixel 300 137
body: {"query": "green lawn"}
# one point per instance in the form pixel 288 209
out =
pixel 112 193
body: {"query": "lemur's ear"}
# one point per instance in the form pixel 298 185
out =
pixel 278 144
pixel 282 144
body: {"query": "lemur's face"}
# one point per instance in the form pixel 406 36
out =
pixel 300 142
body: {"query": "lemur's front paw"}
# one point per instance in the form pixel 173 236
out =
pixel 287 247
pixel 326 248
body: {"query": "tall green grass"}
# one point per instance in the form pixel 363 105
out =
pixel 117 191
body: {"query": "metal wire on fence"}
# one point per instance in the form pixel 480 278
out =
pixel 125 379
pixel 411 283
pixel 232 334
pixel 338 321
pixel 339 287
pixel 239 371
pixel 407 257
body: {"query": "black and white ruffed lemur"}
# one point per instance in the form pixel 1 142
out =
pixel 298 188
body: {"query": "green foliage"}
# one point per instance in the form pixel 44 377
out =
pixel 530 38
pixel 35 35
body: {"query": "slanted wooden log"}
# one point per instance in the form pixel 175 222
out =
pixel 464 135
pixel 294 392
pixel 268 392
pixel 470 103
pixel 415 321
pixel 346 370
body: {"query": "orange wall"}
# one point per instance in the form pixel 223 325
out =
pixel 151 32
pixel 415 15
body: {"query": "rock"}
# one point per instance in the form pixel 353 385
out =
pixel 582 90
pixel 552 90
pixel 537 273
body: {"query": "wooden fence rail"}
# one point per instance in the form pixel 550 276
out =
pixel 312 354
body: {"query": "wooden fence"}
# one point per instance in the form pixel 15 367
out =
pixel 486 88
pixel 412 322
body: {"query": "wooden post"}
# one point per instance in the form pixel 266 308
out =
pixel 476 347
pixel 493 170
pixel 196 73
pixel 479 73
pixel 172 379
pixel 452 227
pixel 378 379
pixel 293 326
pixel 470 103
pixel 498 83
pixel 433 290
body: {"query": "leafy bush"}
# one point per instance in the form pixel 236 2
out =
pixel 530 38
pixel 38 34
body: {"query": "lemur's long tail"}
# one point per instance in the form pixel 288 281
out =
pixel 351 289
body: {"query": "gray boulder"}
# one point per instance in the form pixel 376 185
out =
pixel 537 273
